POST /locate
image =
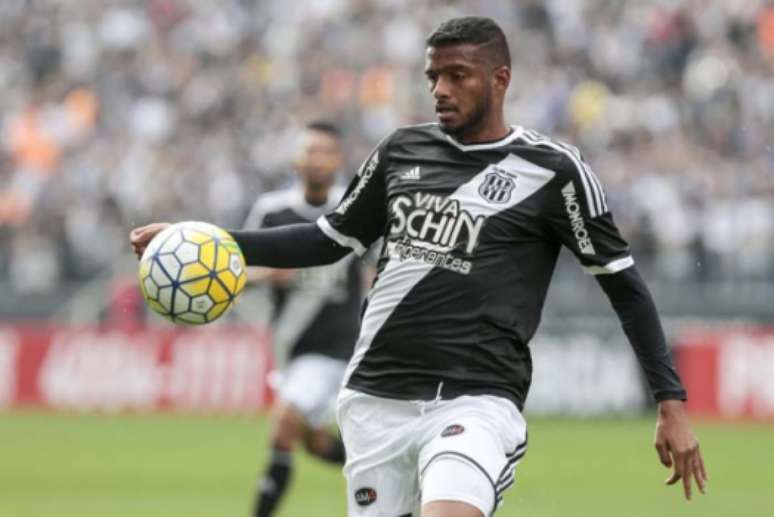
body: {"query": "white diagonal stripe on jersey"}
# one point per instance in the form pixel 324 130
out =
pixel 589 190
pixel 393 284
pixel 529 178
pixel 398 277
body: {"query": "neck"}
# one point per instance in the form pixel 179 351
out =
pixel 315 196
pixel 490 130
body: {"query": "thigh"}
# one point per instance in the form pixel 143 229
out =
pixel 453 487
pixel 486 434
pixel 310 385
pixel 381 467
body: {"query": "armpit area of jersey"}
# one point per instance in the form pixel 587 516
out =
pixel 292 246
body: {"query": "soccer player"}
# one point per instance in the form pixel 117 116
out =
pixel 316 319
pixel 473 213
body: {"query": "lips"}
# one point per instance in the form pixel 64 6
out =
pixel 445 112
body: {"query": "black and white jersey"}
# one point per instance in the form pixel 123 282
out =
pixel 472 234
pixel 318 312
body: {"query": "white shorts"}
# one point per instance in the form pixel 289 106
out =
pixel 402 454
pixel 310 383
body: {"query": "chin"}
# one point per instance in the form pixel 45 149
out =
pixel 451 129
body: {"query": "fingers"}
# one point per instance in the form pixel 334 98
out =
pixel 704 475
pixel 674 478
pixel 663 454
pixel 140 237
pixel 138 246
pixel 143 234
pixel 137 241
pixel 687 468
pixel 677 448
pixel 699 472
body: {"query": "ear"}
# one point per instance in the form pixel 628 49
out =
pixel 501 77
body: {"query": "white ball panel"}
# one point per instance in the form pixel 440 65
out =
pixel 201 226
pixel 151 289
pixel 187 252
pixel 201 304
pixel 158 241
pixel 171 264
pixel 165 298
pixel 182 302
pixel 159 277
pixel 191 317
pixel 172 242
pixel 235 264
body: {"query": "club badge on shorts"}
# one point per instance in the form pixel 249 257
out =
pixel 452 430
pixel 365 496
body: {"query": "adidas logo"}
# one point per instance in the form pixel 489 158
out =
pixel 411 174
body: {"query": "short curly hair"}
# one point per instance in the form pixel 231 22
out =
pixel 476 30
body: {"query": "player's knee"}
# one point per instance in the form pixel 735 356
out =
pixel 454 487
pixel 325 446
pixel 450 509
pixel 316 441
pixel 288 429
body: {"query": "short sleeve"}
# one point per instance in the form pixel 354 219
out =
pixel 360 217
pixel 577 215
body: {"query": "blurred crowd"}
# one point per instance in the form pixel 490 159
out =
pixel 117 113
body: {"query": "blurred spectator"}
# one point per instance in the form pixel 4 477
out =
pixel 117 113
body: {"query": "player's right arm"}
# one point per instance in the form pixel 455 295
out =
pixel 291 246
pixel 259 217
pixel 355 224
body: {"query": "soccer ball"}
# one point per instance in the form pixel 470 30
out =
pixel 192 272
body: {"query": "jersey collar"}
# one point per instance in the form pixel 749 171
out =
pixel 507 139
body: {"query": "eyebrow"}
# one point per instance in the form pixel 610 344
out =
pixel 448 68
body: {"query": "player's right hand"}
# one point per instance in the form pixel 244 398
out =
pixel 141 236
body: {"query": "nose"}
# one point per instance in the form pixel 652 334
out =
pixel 441 89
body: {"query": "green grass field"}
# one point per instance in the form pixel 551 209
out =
pixel 140 466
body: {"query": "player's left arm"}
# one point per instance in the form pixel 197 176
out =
pixel 576 213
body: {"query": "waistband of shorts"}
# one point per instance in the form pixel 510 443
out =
pixel 437 390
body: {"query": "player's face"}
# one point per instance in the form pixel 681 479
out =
pixel 318 159
pixel 463 85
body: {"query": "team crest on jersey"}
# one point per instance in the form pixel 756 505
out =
pixel 497 186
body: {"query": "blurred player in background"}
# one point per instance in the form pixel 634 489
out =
pixel 315 321
pixel 473 212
